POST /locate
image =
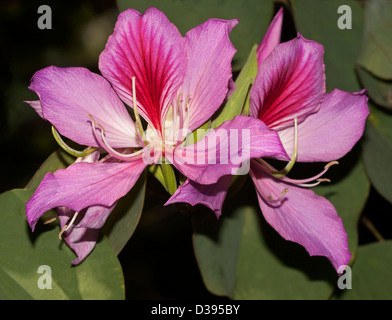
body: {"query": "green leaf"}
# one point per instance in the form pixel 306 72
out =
pixel 377 151
pixel 376 53
pixel 242 257
pixel 165 174
pixel 379 90
pixel 348 192
pixel 254 15
pixel 22 253
pixel 317 20
pixel 371 273
pixel 238 100
pixel 122 222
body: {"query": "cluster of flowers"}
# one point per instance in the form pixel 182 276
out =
pixel 176 84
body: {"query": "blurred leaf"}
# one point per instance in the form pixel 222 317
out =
pixel 317 20
pixel 349 194
pixel 22 253
pixel 57 160
pixel 122 222
pixel 238 98
pixel 254 15
pixel 242 257
pixel 377 151
pixel 376 53
pixel 371 273
pixel 379 90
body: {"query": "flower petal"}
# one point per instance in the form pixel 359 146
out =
pixel 302 217
pixel 227 148
pixel 81 239
pixel 331 132
pixel 271 38
pixel 36 105
pixel 83 185
pixel 290 83
pixel 211 195
pixel 69 95
pixel 150 48
pixel 206 83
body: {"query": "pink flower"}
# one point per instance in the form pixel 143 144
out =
pixel 289 96
pixel 175 83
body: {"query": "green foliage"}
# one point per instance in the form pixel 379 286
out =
pixel 22 253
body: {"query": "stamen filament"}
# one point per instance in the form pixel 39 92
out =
pixel 67 148
pixel 290 164
pixel 282 194
pixel 311 185
pixel 316 177
pixel 67 226
pixel 107 147
pixel 135 110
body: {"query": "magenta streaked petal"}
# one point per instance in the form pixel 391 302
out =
pixel 208 74
pixel 331 132
pixel 150 48
pixel 83 185
pixel 67 97
pixel 211 195
pixel 290 83
pixel 227 148
pixel 302 217
pixel 271 38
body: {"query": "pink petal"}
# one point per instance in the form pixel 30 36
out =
pixel 331 132
pixel 290 83
pixel 271 38
pixel 83 185
pixel 150 48
pixel 36 105
pixel 69 95
pixel 81 239
pixel 209 55
pixel 302 217
pixel 211 195
pixel 227 148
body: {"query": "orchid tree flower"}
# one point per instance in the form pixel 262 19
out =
pixel 174 83
pixel 289 96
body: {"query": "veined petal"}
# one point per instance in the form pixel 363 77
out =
pixel 290 83
pixel 271 38
pixel 67 97
pixel 227 149
pixel 36 105
pixel 150 48
pixel 302 217
pixel 208 73
pixel 83 185
pixel 331 132
pixel 211 195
